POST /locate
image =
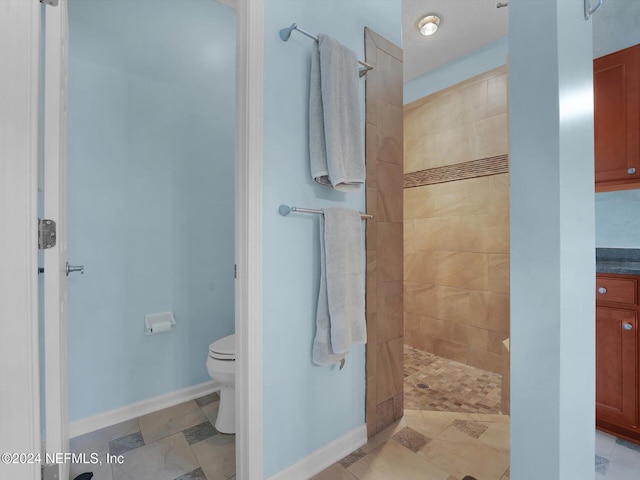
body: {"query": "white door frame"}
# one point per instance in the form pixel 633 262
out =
pixel 19 142
pixel 248 306
pixel 19 138
pixel 55 207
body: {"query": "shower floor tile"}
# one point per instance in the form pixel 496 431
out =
pixel 436 383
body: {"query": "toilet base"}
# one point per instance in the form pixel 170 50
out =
pixel 226 420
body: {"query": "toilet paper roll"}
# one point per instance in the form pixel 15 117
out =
pixel 159 323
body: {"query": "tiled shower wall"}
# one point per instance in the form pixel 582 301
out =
pixel 456 231
pixel 384 233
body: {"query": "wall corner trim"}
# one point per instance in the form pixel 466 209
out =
pixel 324 457
pixel 134 410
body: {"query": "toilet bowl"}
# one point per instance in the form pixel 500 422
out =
pixel 221 365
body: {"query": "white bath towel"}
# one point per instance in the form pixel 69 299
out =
pixel 336 140
pixel 340 317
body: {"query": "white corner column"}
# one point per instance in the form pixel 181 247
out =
pixel 552 240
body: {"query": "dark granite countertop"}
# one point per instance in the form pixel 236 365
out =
pixel 623 261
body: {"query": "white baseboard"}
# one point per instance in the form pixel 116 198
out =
pixel 324 457
pixel 134 410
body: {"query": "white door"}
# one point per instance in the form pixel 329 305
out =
pixel 55 208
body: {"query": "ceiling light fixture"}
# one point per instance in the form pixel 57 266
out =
pixel 428 25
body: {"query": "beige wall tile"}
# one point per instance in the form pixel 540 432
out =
pixel 387 84
pixel 371 405
pixel 471 336
pixel 372 343
pixel 499 197
pixel 496 340
pixel 432 327
pixel 389 375
pixel 456 259
pixel 389 208
pixel 439 233
pixel 454 145
pixel 371 155
pixel 485 360
pixel 419 153
pixel 419 267
pixel 411 324
pixel 497 95
pixel 390 143
pixel 416 202
pixel 384 241
pixel 490 311
pixel 371 283
pixel 420 299
pixel 464 197
pixel 448 349
pixel 461 269
pixel 372 204
pixel 498 273
pixel 453 304
pixel 484 233
pixel 389 252
pixel 390 311
pixel 407 235
pixel 490 137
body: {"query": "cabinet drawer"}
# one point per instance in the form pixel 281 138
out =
pixel 616 290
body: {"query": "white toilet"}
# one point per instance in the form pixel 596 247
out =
pixel 221 365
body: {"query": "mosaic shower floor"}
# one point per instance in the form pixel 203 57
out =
pixel 436 383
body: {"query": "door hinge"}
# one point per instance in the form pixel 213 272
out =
pixel 46 233
pixel 235 270
pixel 52 3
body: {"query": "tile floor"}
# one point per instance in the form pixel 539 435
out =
pixel 436 383
pixel 177 443
pixel 616 459
pixel 431 445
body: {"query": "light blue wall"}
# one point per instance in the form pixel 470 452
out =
pixel 306 406
pixel 479 61
pixel 151 182
pixel 618 219
pixel 617 26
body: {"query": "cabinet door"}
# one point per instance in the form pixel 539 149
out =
pixel 617 116
pixel 616 366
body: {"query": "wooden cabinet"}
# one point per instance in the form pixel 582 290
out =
pixel 616 85
pixel 617 360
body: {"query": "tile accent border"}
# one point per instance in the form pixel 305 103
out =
pixel 459 171
pixel 324 457
pixel 138 409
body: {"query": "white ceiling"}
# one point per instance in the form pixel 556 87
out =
pixel 469 24
pixel 465 26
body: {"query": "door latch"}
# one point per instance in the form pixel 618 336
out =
pixel 46 233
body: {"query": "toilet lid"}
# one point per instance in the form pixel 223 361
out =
pixel 224 348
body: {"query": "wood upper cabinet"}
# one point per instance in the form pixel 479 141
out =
pixel 616 84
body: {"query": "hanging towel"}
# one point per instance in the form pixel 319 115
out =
pixel 336 141
pixel 340 317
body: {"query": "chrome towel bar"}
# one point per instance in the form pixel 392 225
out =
pixel 285 210
pixel 285 33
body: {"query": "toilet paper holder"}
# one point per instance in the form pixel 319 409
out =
pixel 158 323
